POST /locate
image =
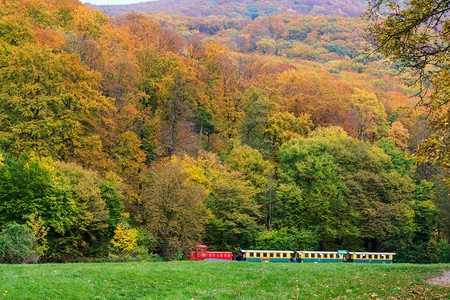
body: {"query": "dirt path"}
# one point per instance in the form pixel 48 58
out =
pixel 443 280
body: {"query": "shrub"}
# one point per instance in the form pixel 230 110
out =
pixel 125 239
pixel 131 244
pixel 442 253
pixel 17 245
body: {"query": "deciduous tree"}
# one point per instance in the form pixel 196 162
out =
pixel 416 34
pixel 173 210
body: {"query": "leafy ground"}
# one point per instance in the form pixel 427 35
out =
pixel 218 280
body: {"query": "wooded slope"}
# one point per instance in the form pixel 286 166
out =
pixel 240 9
pixel 149 133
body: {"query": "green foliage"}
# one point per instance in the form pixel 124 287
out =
pixel 259 173
pixel 400 160
pixel 87 230
pixel 352 194
pixel 287 239
pixel 233 224
pixel 17 245
pixel 26 186
pixel 112 192
pixel 442 252
pixel 311 174
pixel 339 49
pixel 251 163
pixel 62 202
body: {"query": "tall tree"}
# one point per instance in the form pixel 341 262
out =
pixel 170 86
pixel 417 35
pixel 173 210
pixel 260 173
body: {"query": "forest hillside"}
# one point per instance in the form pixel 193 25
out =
pixel 240 9
pixel 141 135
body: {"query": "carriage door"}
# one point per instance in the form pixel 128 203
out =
pixel 345 256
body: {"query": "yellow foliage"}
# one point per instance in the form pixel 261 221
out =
pixel 399 134
pixel 36 224
pixel 125 239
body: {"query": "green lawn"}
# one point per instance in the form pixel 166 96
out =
pixel 219 280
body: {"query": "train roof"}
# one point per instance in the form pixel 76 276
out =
pixel 324 252
pixel 330 252
pixel 383 253
pixel 267 251
pixel 350 252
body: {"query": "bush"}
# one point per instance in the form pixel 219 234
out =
pixel 17 245
pixel 131 244
pixel 442 253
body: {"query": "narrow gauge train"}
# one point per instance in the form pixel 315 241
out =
pixel 201 253
pixel 317 256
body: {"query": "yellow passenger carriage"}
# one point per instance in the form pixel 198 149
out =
pixel 319 256
pixel 372 257
pixel 268 255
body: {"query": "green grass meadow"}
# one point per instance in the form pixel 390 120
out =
pixel 219 280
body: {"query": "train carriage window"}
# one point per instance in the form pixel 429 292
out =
pixel 387 256
pixel 358 256
pixel 264 254
pixel 271 255
pixel 325 255
pixel 313 255
pixel 258 254
pixel 370 255
pixel 375 256
pixel 306 255
pixel 331 255
pixel 278 254
pixel 251 254
pixel 284 254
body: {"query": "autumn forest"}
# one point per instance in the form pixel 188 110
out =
pixel 137 132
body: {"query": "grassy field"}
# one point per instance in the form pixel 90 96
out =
pixel 219 280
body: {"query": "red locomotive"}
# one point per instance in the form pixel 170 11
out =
pixel 201 253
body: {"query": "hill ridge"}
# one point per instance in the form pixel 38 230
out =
pixel 239 9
